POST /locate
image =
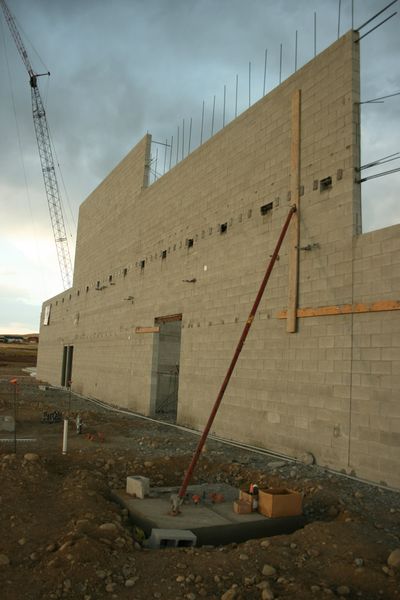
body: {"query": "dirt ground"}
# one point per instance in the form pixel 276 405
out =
pixel 62 536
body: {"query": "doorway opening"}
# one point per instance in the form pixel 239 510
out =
pixel 66 369
pixel 167 350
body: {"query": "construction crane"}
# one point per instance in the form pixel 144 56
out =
pixel 46 155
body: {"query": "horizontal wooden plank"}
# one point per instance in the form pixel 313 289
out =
pixel 147 330
pixel 343 309
pixel 169 318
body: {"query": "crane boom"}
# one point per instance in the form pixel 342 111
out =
pixel 46 156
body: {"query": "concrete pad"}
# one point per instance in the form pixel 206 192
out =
pixel 211 523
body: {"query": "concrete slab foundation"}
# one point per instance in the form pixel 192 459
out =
pixel 210 523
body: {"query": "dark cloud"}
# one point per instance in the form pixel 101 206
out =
pixel 122 67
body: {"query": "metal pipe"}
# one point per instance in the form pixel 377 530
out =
pixel 183 139
pixel 212 118
pixel 202 125
pixel 202 441
pixel 378 175
pixel 190 135
pixel 236 95
pixel 223 112
pixel 249 84
pixel 376 27
pixel 315 34
pixel 380 98
pixel 265 70
pixel 165 155
pixel 170 152
pixel 65 437
pixel 376 15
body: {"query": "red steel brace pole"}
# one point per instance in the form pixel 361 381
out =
pixel 202 441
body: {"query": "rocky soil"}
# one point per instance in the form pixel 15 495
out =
pixel 62 536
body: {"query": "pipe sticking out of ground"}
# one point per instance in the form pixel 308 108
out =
pixel 65 437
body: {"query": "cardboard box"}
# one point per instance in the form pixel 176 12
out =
pixel 280 502
pixel 244 496
pixel 241 507
pixel 250 499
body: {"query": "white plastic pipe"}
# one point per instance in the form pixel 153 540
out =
pixel 65 437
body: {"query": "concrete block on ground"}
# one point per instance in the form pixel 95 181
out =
pixel 171 538
pixel 137 486
pixel 7 423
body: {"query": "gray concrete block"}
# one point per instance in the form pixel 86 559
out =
pixel 7 423
pixel 171 538
pixel 138 486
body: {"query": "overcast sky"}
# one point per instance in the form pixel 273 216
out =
pixel 120 68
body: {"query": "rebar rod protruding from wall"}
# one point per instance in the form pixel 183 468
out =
pixel 249 84
pixel 190 135
pixel 315 34
pixel 236 95
pixel 203 438
pixel 223 111
pixel 212 118
pixel 202 125
pixel 265 70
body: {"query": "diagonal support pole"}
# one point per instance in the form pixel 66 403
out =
pixel 202 441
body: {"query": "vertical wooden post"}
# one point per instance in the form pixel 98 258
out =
pixel 291 323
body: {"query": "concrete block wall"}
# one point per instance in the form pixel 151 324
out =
pixel 289 392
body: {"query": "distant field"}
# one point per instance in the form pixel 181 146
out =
pixel 18 353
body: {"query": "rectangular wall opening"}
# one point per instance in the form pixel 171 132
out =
pixel 66 367
pixel 167 350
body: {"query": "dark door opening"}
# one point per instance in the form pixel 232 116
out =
pixel 166 380
pixel 66 369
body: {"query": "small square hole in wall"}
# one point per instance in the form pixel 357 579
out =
pixel 109 278
pixel 164 254
pixel 125 272
pixel 142 264
pixel 223 228
pixel 78 293
pixel 70 296
pixel 189 242
pixel 56 302
pixel 62 301
pixel 87 289
pixel 325 184
pixel 315 184
pixel 266 208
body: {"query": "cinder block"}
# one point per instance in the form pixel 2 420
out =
pixel 171 538
pixel 7 423
pixel 137 486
